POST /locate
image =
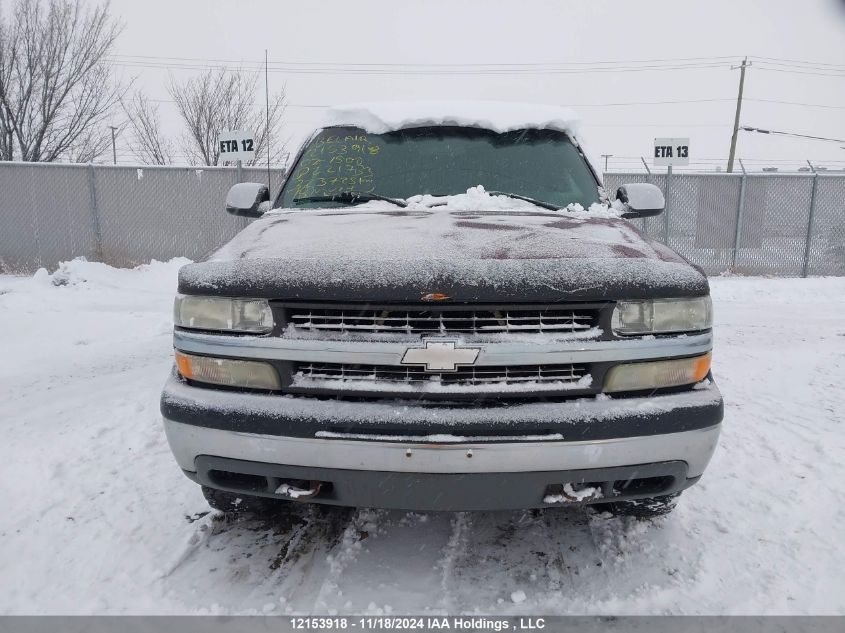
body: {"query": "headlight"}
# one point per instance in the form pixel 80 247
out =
pixel 228 372
pixel 656 374
pixel 219 313
pixel 661 316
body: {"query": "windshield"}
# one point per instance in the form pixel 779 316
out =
pixel 540 164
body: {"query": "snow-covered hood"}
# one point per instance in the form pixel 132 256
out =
pixel 384 253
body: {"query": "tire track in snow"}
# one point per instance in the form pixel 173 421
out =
pixel 250 564
pixel 641 559
pixel 199 537
pixel 557 572
pixel 363 524
pixel 452 551
pixel 493 557
pixel 304 562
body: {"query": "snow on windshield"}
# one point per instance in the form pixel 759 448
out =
pixel 477 199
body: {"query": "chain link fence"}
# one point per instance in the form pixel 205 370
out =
pixel 756 224
pixel 123 216
pixel 785 225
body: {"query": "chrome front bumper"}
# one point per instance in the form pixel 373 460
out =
pixel 695 448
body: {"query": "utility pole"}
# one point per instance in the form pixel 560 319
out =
pixel 742 68
pixel 605 157
pixel 267 103
pixel 113 144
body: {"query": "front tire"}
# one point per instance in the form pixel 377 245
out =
pixel 640 508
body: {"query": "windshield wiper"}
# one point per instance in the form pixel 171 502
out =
pixel 516 196
pixel 539 203
pixel 351 197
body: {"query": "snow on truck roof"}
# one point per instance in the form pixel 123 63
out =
pixel 379 117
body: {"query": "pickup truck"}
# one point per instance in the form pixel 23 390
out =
pixel 442 309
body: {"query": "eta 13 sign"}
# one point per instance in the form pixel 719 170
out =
pixel 236 145
pixel 671 152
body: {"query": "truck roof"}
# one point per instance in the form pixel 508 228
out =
pixel 378 117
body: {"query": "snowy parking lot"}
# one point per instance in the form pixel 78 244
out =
pixel 99 519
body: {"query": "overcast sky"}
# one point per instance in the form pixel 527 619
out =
pixel 569 35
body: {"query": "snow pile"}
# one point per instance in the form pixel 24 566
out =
pixel 498 116
pixel 80 271
pixel 478 199
pixel 518 596
pixel 570 494
pixel 294 493
pixel 87 310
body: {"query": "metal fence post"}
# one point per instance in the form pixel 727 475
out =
pixel 739 213
pixel 666 205
pixel 95 215
pixel 647 221
pixel 810 219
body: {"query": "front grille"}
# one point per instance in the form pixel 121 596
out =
pixel 431 321
pixel 343 377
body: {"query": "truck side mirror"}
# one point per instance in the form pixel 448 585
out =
pixel 641 200
pixel 248 199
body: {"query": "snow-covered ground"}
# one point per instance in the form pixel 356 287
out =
pixel 98 518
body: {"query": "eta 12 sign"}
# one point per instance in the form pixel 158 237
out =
pixel 672 152
pixel 236 145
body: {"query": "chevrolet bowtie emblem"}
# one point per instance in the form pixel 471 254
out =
pixel 440 356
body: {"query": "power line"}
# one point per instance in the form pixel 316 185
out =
pixel 665 63
pixel 745 160
pixel 156 61
pixel 795 103
pixel 590 105
pixel 786 66
pixel 625 62
pixel 662 124
pixel 796 61
pixel 570 105
pixel 815 138
pixel 403 69
pixel 638 103
pixel 389 72
pixel 799 72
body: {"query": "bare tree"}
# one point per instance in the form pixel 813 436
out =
pixel 89 146
pixel 225 100
pixel 148 144
pixel 56 87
